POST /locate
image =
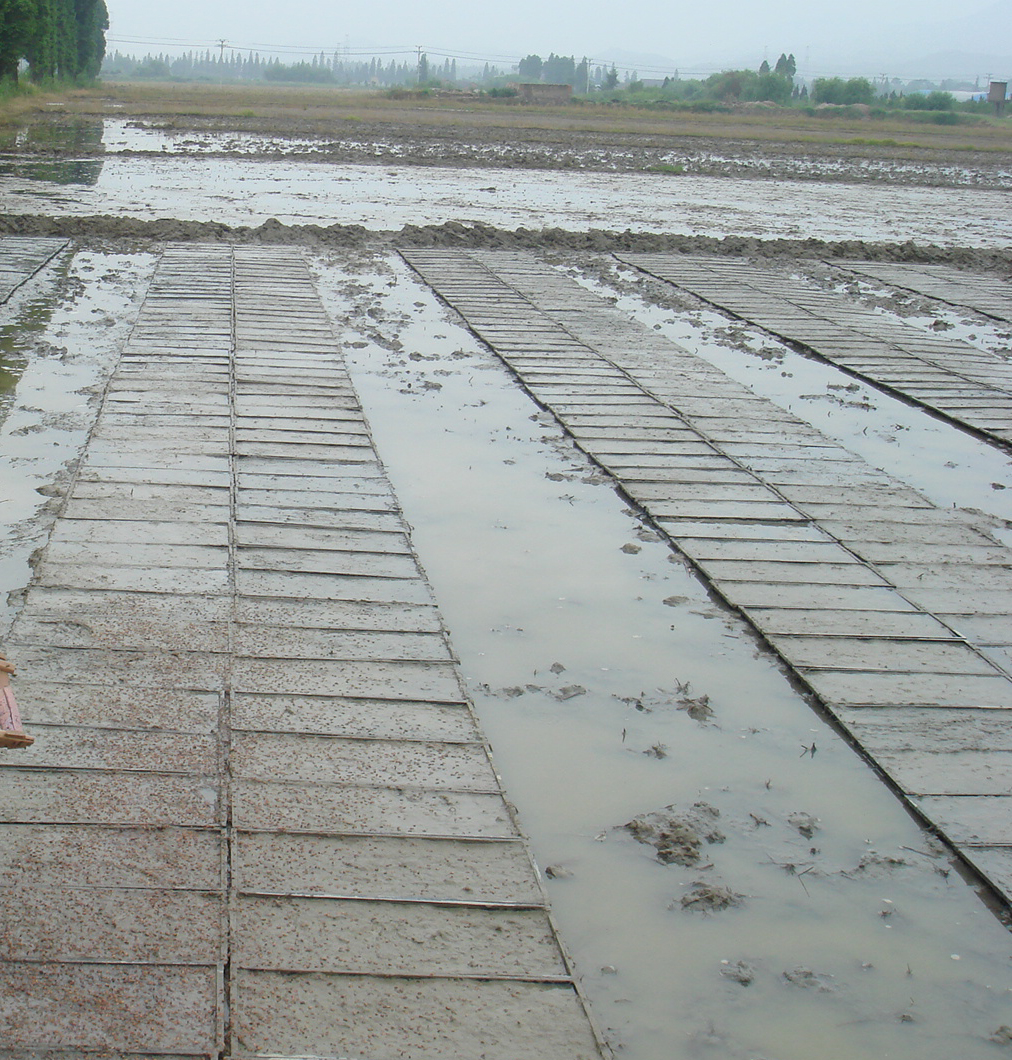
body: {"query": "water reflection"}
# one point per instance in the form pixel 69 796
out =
pixel 57 153
pixel 21 322
pixel 8 380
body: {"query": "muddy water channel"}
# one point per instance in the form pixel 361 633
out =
pixel 799 909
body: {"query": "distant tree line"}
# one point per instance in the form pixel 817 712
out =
pixel 324 69
pixel 778 84
pixel 556 70
pixel 62 39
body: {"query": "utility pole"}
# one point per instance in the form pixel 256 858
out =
pixel 222 44
pixel 418 68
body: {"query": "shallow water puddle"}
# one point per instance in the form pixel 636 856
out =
pixel 59 339
pixel 801 908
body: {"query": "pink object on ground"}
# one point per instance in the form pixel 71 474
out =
pixel 10 718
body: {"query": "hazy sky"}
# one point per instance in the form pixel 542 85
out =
pixel 691 34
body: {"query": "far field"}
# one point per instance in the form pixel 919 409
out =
pixel 316 111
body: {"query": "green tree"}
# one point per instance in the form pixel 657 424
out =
pixel 17 29
pixel 530 68
pixel 154 69
pixel 836 90
pixel 733 86
pixel 930 101
pixel 68 39
pixel 92 17
pixel 729 85
pixel 774 88
pixel 53 40
pixel 582 80
pixel 559 70
pixel 786 65
pixel 611 78
pixel 765 68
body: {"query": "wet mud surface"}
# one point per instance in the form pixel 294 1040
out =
pixel 246 194
pixel 729 876
pixel 241 195
pixel 482 145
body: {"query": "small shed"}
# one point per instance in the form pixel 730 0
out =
pixel 996 94
pixel 537 92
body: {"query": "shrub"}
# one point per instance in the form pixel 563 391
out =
pixel 836 90
pixel 929 101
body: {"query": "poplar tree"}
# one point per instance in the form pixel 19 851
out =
pixel 92 19
pixel 17 28
pixel 68 39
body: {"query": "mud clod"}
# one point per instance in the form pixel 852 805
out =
pixel 804 823
pixel 678 837
pixel 697 708
pixel 740 972
pixel 1002 1036
pixel 710 898
pixel 809 980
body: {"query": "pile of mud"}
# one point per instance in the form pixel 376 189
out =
pixel 475 235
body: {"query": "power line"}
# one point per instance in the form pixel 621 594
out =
pixel 412 52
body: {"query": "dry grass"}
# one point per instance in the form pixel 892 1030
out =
pixel 305 109
pixel 30 101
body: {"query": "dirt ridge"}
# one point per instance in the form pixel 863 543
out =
pixel 457 234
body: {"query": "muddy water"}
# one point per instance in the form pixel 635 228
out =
pixel 121 136
pixel 59 339
pixel 239 191
pixel 595 662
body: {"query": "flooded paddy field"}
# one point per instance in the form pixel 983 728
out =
pixel 247 191
pixel 750 850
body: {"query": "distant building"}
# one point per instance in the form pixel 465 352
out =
pixel 996 95
pixel 535 92
pixel 997 92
